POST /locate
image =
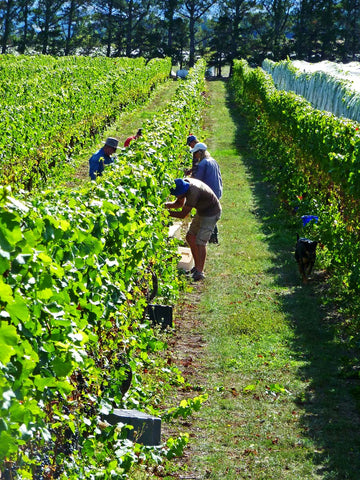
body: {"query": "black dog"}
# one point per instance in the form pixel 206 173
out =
pixel 305 255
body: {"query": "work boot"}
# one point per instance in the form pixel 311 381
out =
pixel 198 276
pixel 213 238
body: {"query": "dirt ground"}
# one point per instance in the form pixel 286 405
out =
pixel 187 350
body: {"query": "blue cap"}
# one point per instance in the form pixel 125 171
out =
pixel 181 187
pixel 190 139
pixel 307 218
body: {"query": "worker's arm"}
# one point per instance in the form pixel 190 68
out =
pixel 179 203
pixel 184 212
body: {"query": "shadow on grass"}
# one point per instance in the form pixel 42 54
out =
pixel 330 417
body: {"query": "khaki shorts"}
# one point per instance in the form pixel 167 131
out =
pixel 202 228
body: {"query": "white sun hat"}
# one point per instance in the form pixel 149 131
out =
pixel 198 146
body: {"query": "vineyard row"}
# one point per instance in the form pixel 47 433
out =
pixel 312 157
pixel 76 268
pixel 53 106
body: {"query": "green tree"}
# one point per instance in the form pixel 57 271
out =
pixel 219 43
pixel 47 15
pixel 169 8
pixel 318 30
pixel 350 25
pixel 180 41
pixel 72 20
pixel 328 32
pixel 149 36
pixel 24 31
pixel 106 22
pixel 7 9
pixel 233 31
pixel 305 30
pixel 135 12
pixel 278 14
pixel 193 10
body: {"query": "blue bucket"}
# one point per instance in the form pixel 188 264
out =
pixel 307 218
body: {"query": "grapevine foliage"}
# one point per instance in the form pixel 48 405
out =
pixel 53 106
pixel 312 157
pixel 75 273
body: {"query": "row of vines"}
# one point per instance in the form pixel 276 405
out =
pixel 76 269
pixel 325 91
pixel 52 106
pixel 313 159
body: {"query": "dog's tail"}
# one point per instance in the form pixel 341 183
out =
pixel 297 237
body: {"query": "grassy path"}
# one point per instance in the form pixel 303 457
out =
pixel 259 343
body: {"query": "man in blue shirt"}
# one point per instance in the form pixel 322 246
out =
pixel 102 157
pixel 208 171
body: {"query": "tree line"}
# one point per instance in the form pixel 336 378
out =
pixel 183 29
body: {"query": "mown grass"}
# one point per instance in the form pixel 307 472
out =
pixel 278 404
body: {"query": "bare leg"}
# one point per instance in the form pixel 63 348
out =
pixel 191 240
pixel 198 252
pixel 201 258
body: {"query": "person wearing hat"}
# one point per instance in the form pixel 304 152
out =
pixel 134 137
pixel 102 157
pixel 192 193
pixel 208 171
pixel 191 141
